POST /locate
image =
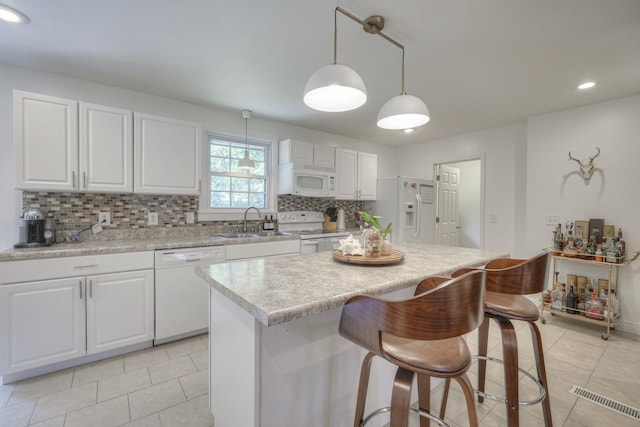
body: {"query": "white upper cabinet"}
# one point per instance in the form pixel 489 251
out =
pixel 106 149
pixel 307 154
pixel 357 175
pixel 63 145
pixel 45 132
pixel 167 155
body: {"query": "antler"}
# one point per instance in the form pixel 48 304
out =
pixel 573 158
pixel 593 156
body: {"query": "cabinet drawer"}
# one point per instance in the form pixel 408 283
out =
pixel 53 268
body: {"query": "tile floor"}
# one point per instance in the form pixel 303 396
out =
pixel 168 385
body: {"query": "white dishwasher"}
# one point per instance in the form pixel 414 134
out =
pixel 182 298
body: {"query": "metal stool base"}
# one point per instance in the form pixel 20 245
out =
pixel 540 398
pixel 412 409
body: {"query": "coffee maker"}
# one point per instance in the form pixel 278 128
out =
pixel 32 227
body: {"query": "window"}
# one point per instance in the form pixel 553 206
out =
pixel 232 189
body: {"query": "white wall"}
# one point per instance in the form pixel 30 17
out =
pixel 612 194
pixel 502 150
pixel 213 120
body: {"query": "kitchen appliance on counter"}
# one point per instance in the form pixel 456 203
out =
pixel 408 204
pixel 182 298
pixel 309 225
pixel 32 227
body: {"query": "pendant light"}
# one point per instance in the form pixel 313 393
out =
pixel 246 163
pixel 335 88
pixel 403 111
pixel 12 15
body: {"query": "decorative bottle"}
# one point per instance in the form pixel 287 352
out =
pixel 571 301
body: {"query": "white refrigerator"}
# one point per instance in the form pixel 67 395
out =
pixel 409 204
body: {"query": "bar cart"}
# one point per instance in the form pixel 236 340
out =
pixel 608 321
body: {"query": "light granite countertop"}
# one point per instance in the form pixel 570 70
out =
pixel 280 289
pixel 129 245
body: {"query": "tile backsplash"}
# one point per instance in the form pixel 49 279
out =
pixel 130 211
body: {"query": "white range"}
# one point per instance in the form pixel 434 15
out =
pixel 309 225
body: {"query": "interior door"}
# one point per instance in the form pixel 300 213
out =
pixel 447 206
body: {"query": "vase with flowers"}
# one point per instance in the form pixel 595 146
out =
pixel 376 242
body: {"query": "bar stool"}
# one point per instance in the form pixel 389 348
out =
pixel 508 281
pixel 421 335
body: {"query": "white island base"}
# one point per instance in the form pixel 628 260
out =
pixel 299 373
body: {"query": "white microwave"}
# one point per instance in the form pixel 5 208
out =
pixel 306 182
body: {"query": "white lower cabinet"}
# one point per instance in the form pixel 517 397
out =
pixel 120 310
pixel 42 323
pixel 99 308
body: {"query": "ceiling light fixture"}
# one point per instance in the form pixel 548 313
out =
pixel 246 162
pixel 586 85
pixel 12 15
pixel 336 88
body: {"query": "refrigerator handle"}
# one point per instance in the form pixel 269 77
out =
pixel 417 220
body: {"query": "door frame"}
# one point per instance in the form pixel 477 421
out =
pixel 482 159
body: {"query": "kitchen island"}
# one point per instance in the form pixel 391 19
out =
pixel 276 358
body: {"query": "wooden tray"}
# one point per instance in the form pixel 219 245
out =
pixel 395 257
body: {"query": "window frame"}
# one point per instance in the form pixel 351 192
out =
pixel 207 213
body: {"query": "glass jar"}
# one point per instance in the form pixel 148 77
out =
pixel 372 242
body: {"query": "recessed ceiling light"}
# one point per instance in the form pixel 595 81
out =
pixel 409 130
pixel 586 85
pixel 12 15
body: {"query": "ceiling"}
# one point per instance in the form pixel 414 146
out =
pixel 476 63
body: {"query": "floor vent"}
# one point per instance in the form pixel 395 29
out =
pixel 601 400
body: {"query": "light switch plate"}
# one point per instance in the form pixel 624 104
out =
pixel 551 219
pixel 152 218
pixel 190 217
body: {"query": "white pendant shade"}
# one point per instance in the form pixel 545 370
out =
pixel 403 112
pixel 335 88
pixel 246 162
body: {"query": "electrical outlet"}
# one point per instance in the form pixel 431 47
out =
pixel 551 219
pixel 493 218
pixel 190 218
pixel 152 219
pixel 104 218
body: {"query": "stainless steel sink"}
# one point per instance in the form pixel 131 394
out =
pixel 235 235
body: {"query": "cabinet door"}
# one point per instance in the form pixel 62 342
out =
pixel 41 323
pixel 166 155
pixel 324 156
pixel 367 176
pixel 106 149
pixel 302 153
pixel 45 142
pixel 119 310
pixel 347 173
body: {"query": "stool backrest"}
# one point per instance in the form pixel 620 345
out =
pixel 452 308
pixel 515 276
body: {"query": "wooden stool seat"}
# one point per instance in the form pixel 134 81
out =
pixel 420 335
pixel 515 307
pixel 442 358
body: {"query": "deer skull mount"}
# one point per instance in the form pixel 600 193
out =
pixel 586 166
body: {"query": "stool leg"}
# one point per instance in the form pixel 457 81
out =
pixel 362 389
pixel 467 388
pixel 445 397
pixel 424 398
pixel 542 372
pixel 510 357
pixel 401 398
pixel 483 341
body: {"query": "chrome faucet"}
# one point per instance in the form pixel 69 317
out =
pixel 244 226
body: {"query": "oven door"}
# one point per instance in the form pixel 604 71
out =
pixel 308 246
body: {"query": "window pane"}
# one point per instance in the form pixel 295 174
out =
pixel 220 183
pixel 240 200
pixel 258 185
pixel 220 150
pixel 219 164
pixel 259 170
pixel 257 200
pixel 238 153
pixel 220 199
pixel 240 184
pixel 257 155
